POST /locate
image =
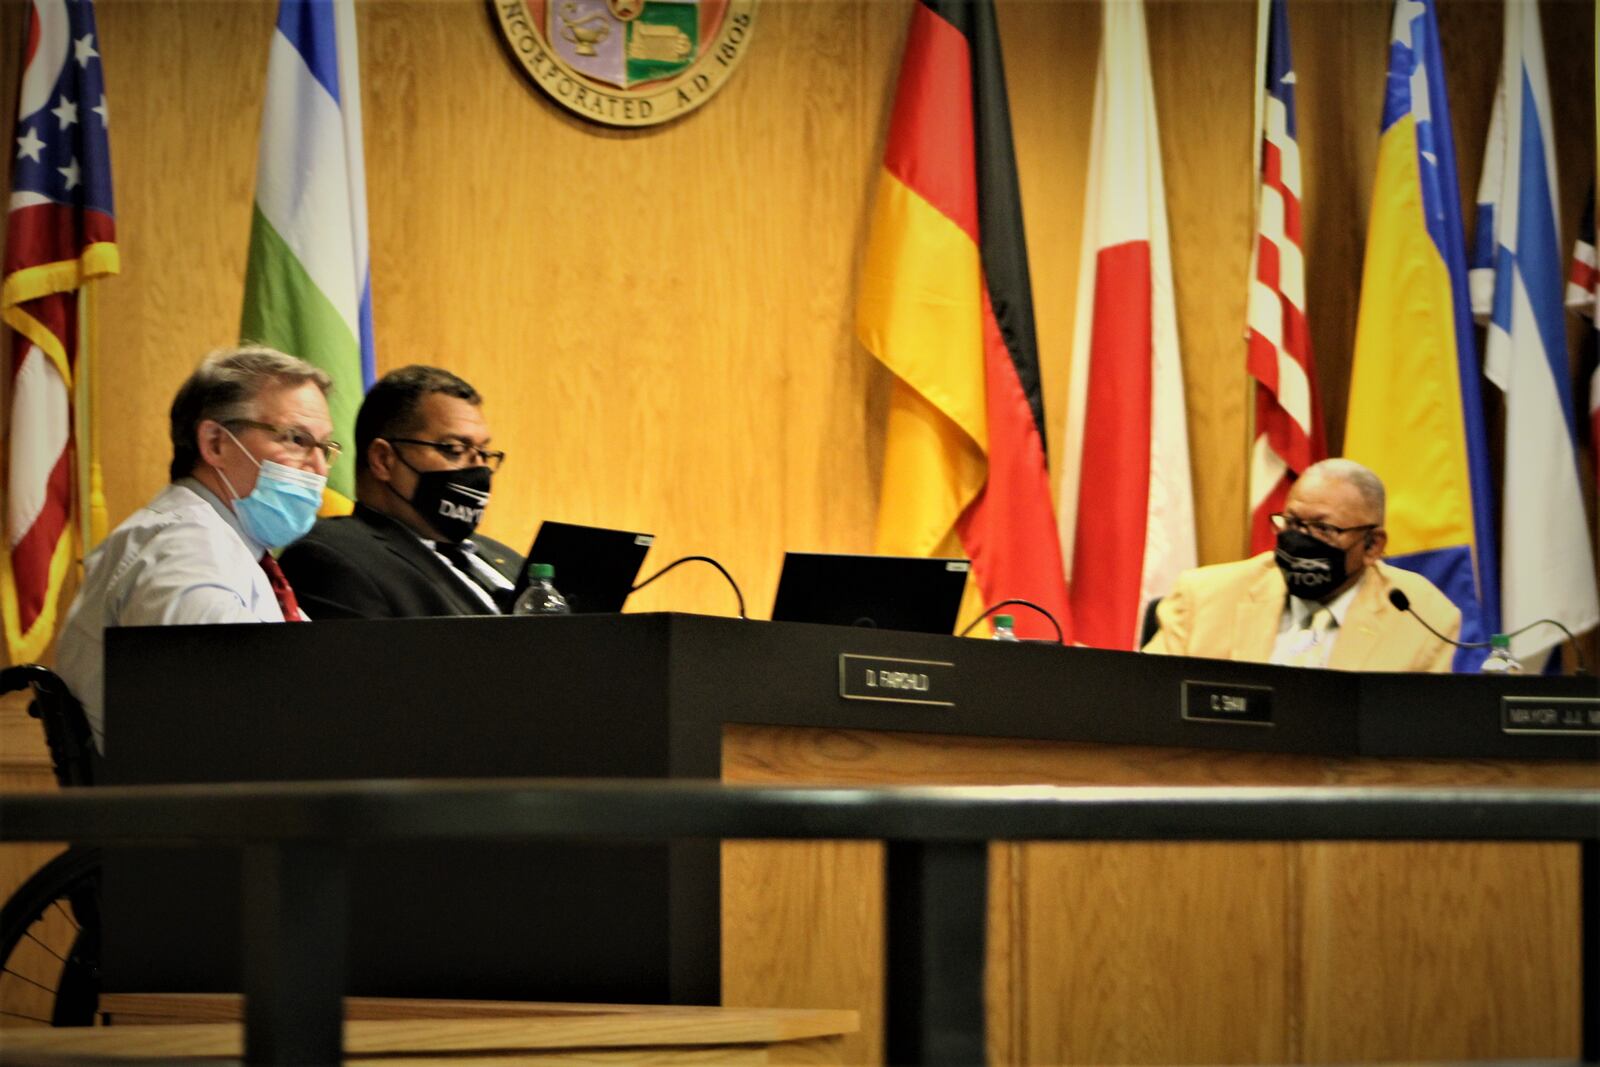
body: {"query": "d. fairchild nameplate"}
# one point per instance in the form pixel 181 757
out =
pixel 899 681
pixel 627 62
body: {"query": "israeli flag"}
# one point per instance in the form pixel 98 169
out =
pixel 1547 560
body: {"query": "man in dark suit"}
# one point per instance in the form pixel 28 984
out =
pixel 423 474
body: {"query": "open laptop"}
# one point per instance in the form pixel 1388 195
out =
pixel 889 592
pixel 595 567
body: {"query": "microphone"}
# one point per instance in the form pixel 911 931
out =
pixel 992 608
pixel 1403 602
pixel 702 559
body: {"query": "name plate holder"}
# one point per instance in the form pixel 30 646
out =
pixel 1550 715
pixel 898 681
pixel 1233 705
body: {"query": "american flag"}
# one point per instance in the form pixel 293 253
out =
pixel 1288 417
pixel 1583 296
pixel 61 233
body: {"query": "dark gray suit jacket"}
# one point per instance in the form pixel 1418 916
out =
pixel 368 566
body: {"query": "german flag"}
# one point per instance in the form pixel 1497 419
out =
pixel 946 304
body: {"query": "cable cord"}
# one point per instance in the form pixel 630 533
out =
pixel 703 559
pixel 991 609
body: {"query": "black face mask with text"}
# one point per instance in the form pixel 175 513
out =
pixel 1312 569
pixel 451 501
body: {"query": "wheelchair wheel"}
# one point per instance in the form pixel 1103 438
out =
pixel 50 944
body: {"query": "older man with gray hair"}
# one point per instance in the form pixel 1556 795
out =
pixel 1321 598
pixel 250 455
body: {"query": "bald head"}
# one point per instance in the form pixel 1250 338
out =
pixel 1348 473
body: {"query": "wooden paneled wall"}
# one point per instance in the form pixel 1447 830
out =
pixel 661 320
pixel 1177 952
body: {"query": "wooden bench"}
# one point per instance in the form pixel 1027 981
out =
pixel 188 1028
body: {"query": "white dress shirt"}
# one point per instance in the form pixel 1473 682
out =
pixel 180 559
pixel 1296 638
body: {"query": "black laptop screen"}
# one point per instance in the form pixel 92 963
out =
pixel 595 567
pixel 889 592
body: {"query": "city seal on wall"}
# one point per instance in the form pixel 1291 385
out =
pixel 628 62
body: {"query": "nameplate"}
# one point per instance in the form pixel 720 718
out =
pixel 1550 715
pixel 1238 705
pixel 901 681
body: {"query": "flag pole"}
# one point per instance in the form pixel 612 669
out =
pixel 89 495
pixel 1263 19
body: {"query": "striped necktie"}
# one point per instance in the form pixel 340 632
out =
pixel 458 554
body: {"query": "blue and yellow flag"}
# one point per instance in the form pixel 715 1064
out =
pixel 1416 414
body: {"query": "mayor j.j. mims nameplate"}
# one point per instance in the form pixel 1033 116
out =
pixel 628 62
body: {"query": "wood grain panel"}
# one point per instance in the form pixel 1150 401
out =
pixel 1071 930
pixel 22 747
pixel 824 895
pixel 1386 978
pixel 775 754
pixel 1005 974
pixel 1196 53
pixel 620 1038
pixel 1340 56
pixel 1179 953
pixel 1157 953
pixel 550 1023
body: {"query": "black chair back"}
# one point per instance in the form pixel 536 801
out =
pixel 1150 622
pixel 66 727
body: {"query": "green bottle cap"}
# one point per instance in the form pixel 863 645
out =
pixel 1500 642
pixel 1004 620
pixel 541 570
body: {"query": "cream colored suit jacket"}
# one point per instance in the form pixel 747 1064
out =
pixel 1232 610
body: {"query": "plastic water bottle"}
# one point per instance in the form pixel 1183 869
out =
pixel 541 598
pixel 1003 628
pixel 1499 660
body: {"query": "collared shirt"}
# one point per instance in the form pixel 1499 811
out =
pixel 482 578
pixel 1296 620
pixel 180 559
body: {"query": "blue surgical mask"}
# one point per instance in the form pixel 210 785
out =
pixel 282 506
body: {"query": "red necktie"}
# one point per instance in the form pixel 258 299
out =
pixel 281 589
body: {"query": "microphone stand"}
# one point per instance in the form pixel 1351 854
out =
pixel 1403 602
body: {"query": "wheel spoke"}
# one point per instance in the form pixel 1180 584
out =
pixel 66 914
pixel 30 981
pixel 47 948
pixel 61 886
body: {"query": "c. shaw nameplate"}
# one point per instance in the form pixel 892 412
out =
pixel 1550 715
pixel 627 62
pixel 1240 705
pixel 901 681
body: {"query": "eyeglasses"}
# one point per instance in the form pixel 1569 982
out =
pixel 455 451
pixel 1322 531
pixel 297 443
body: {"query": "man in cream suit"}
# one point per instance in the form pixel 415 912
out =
pixel 1321 598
